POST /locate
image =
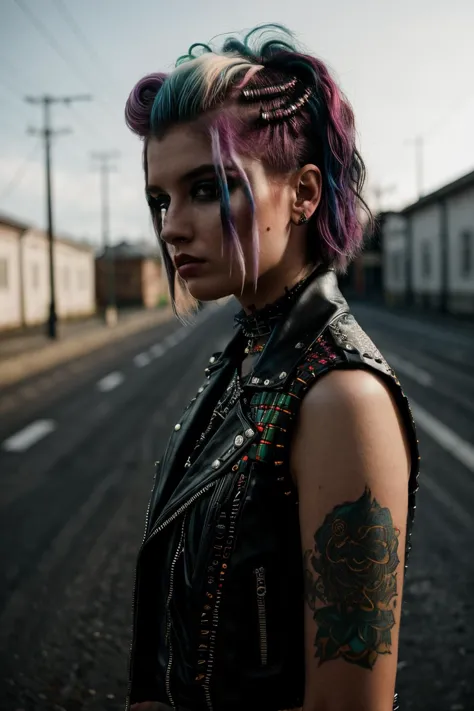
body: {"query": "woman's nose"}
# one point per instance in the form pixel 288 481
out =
pixel 175 228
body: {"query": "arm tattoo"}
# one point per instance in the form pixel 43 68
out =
pixel 350 582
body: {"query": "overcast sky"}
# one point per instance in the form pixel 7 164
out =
pixel 406 66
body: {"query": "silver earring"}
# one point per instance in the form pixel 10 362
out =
pixel 303 219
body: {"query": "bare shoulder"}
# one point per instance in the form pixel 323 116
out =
pixel 349 416
pixel 347 388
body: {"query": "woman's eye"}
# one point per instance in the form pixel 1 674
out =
pixel 158 202
pixel 208 190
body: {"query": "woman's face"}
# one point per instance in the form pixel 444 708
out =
pixel 181 179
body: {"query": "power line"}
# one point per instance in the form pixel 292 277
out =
pixel 86 125
pixel 11 69
pixel 7 85
pixel 59 51
pixel 50 39
pixel 81 119
pixel 19 174
pixel 79 34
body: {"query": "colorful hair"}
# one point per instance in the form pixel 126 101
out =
pixel 310 123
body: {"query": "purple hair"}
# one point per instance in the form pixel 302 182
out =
pixel 209 85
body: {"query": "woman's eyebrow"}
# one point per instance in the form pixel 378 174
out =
pixel 204 169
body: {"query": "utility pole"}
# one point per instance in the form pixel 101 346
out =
pixel 47 133
pixel 419 143
pixel 106 166
pixel 379 191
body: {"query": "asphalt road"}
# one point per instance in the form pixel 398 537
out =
pixel 77 448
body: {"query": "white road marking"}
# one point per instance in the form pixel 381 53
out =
pixel 157 350
pixel 171 340
pixel 412 371
pixel 444 436
pixel 29 435
pixel 180 334
pixel 110 381
pixel 443 497
pixel 141 360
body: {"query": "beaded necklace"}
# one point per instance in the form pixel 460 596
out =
pixel 261 322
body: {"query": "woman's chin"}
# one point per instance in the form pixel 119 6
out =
pixel 205 290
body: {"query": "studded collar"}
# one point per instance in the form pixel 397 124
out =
pixel 317 305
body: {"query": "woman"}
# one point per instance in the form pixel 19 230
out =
pixel 271 571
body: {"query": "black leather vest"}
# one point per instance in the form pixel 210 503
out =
pixel 218 599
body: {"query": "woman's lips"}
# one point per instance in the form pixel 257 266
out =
pixel 190 269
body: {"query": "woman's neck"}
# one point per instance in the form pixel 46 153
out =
pixel 270 287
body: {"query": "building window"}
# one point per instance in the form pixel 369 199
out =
pixel 3 274
pixel 426 260
pixel 35 276
pixel 467 253
pixel 397 266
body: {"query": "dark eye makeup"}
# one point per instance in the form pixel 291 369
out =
pixel 201 191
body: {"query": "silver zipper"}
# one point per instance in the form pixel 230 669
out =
pixel 215 615
pixel 180 510
pixel 178 552
pixel 262 614
pixel 213 503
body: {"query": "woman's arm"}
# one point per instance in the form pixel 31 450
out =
pixel 350 461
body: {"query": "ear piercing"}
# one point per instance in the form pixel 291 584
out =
pixel 303 219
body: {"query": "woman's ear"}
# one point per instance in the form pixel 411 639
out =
pixel 307 193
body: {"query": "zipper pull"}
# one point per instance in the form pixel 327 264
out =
pixel 261 583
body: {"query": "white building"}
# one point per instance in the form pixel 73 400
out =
pixel 394 264
pixel 24 276
pixel 428 250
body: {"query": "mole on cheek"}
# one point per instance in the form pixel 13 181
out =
pixel 268 229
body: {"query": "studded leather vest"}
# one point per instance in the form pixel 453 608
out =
pixel 218 599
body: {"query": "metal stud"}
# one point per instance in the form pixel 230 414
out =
pixel 177 427
pixel 249 433
pixel 255 381
pixel 212 359
pixel 216 464
pixel 282 375
pixel 299 345
pixel 238 440
pixel 201 389
pixel 267 382
pixel 207 371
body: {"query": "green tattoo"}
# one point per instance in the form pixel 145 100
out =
pixel 350 582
